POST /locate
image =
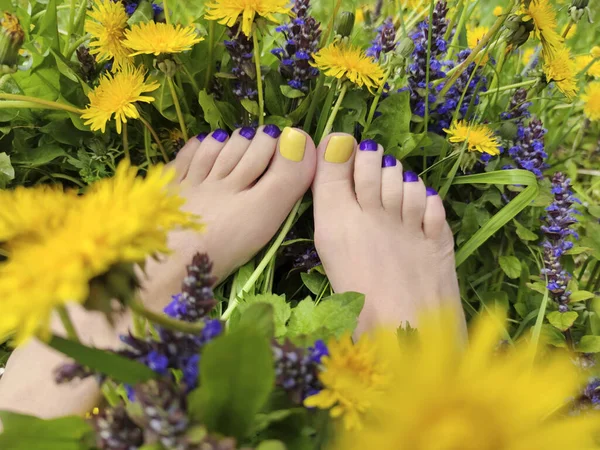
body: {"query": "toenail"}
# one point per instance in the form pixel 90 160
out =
pixel 410 177
pixel 388 161
pixel 430 191
pixel 369 145
pixel 339 148
pixel 201 136
pixel 291 144
pixel 248 132
pixel 220 135
pixel 272 130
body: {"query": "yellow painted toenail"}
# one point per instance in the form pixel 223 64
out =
pixel 339 149
pixel 291 144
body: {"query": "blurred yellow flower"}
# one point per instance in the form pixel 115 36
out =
pixel 498 11
pixel 544 19
pixel 160 38
pixel 446 397
pixel 572 31
pixel 354 377
pixel 563 72
pixel 120 220
pixel 527 55
pixel 107 30
pixel 345 61
pixel 116 95
pixel 583 61
pixel 474 35
pixel 591 98
pixel 595 51
pixel 227 12
pixel 479 138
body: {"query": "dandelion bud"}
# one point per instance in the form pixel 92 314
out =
pixel 345 24
pixel 405 48
pixel 578 8
pixel 166 66
pixel 11 39
pixel 519 30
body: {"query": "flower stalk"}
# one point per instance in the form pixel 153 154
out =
pixel 165 321
pixel 67 323
pixel 156 139
pixel 335 110
pixel 259 84
pixel 38 102
pixel 177 107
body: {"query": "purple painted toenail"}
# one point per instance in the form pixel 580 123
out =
pixel 368 145
pixel 248 132
pixel 430 191
pixel 410 177
pixel 201 136
pixel 272 130
pixel 220 135
pixel 388 161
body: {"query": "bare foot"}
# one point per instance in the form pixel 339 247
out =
pixel 243 187
pixel 381 232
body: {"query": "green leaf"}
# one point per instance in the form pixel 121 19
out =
pixel 314 281
pixel 163 100
pixel 39 156
pixel 562 321
pixel 551 336
pixel 117 367
pixel 281 309
pixel 589 344
pixel 275 102
pixel 594 210
pixel 22 432
pixel 580 296
pixel 290 92
pixel 394 121
pixel 257 317
pixel 296 115
pixel 538 286
pixel 251 106
pixel 7 172
pixel 502 217
pixel 271 445
pixel 410 142
pixel 237 377
pixel 48 26
pixel 143 13
pixel 525 234
pixel 211 112
pixel 510 265
pixel 332 317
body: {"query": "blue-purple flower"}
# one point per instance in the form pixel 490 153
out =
pixel 385 41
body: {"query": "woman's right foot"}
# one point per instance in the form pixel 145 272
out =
pixel 381 232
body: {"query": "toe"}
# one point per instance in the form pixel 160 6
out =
pixel 434 220
pixel 413 201
pixel 334 183
pixel 290 173
pixel 184 157
pixel 232 153
pixel 391 185
pixel 367 174
pixel 206 155
pixel 257 157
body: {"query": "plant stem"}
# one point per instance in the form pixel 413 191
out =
pixel 165 321
pixel 567 28
pixel 177 108
pixel 375 103
pixel 259 85
pixel 73 47
pixel 166 10
pixel 313 103
pixel 126 142
pixel 191 78
pixel 147 145
pixel 70 25
pixel 156 139
pixel 265 261
pixel 508 87
pixel 335 110
pixel 211 45
pixel 65 318
pixel 38 101
pixel 464 15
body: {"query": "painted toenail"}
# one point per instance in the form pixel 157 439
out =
pixel 201 136
pixel 272 130
pixel 220 135
pixel 248 132
pixel 410 177
pixel 430 191
pixel 291 144
pixel 368 145
pixel 388 161
pixel 339 148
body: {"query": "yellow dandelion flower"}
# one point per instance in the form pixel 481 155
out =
pixel 345 61
pixel 479 138
pixel 595 51
pixel 572 31
pixel 562 71
pixel 544 19
pixel 116 95
pixel 160 38
pixel 121 220
pixel 498 11
pixel 108 30
pixel 359 14
pixel 474 35
pixel 227 12
pixel 582 62
pixel 447 397
pixel 353 376
pixel 591 98
pixel 527 55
